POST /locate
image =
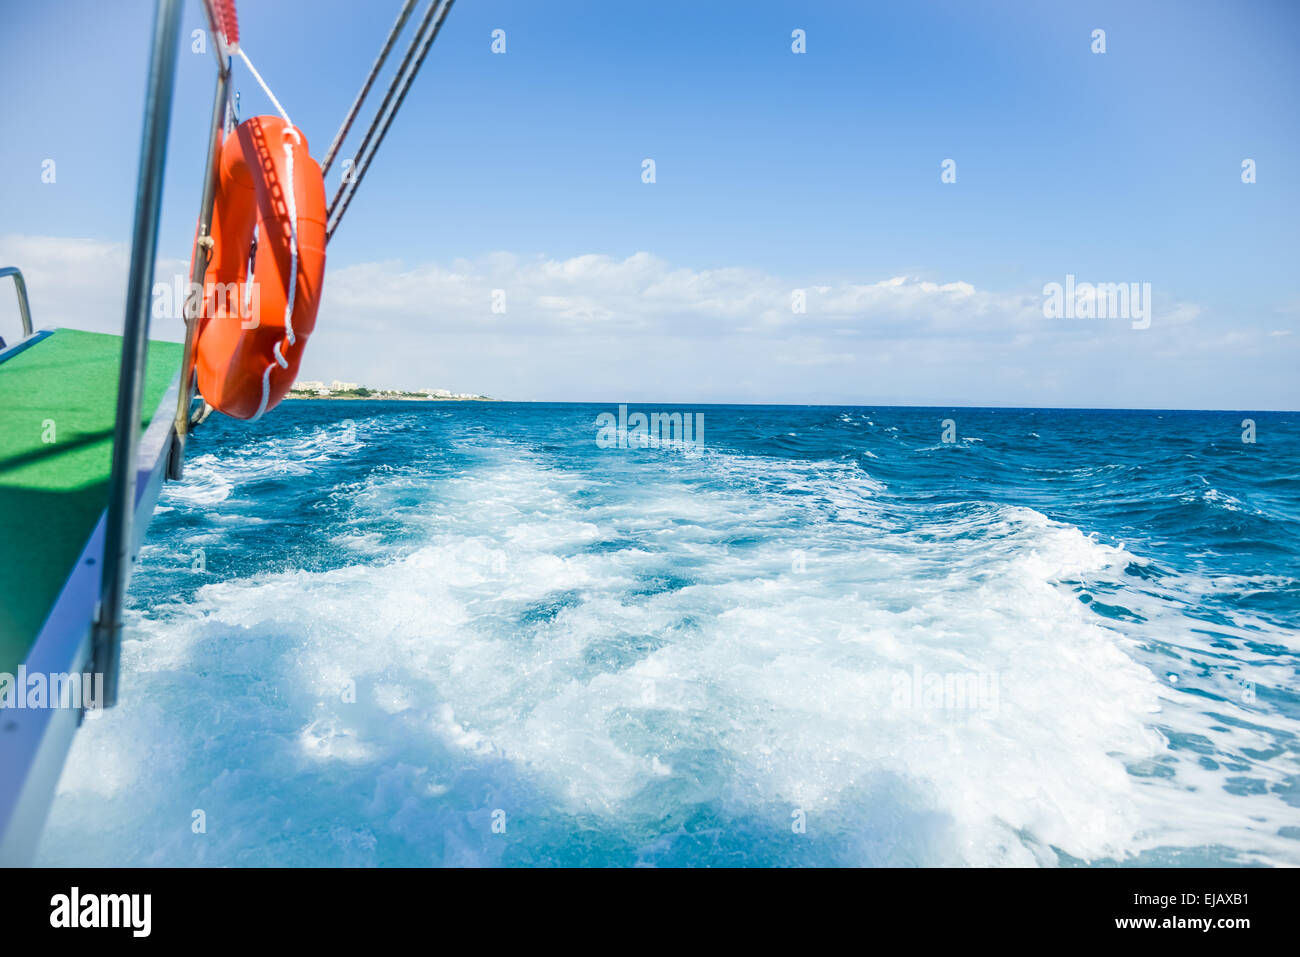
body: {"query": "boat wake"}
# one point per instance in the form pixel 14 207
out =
pixel 499 645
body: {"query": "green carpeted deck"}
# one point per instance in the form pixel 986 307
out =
pixel 57 402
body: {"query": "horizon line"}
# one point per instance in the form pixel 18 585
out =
pixel 833 405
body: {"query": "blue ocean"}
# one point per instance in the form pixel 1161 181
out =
pixel 463 633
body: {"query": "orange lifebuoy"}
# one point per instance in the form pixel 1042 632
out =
pixel 251 333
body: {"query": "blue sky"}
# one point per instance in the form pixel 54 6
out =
pixel 775 171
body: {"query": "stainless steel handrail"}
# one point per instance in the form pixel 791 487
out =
pixel 23 307
pixel 106 635
pixel 199 258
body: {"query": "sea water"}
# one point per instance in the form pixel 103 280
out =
pixel 467 633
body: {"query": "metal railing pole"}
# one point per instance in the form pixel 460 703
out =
pixel 23 309
pixel 106 634
pixel 219 49
pixel 198 269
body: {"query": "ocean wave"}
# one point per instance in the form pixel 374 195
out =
pixel 631 643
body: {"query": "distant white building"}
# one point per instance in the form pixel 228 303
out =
pixel 308 385
pixel 436 393
pixel 337 386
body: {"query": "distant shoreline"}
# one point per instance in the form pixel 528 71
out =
pixel 860 406
pixel 388 398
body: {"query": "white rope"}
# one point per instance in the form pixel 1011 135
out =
pixel 291 201
pixel 266 392
pixel 258 77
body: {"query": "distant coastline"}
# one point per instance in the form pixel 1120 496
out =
pixel 388 397
pixel 352 390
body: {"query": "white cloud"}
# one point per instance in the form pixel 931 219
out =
pixel 78 283
pixel 601 328
pixel 644 294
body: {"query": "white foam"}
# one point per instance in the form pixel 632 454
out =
pixel 534 646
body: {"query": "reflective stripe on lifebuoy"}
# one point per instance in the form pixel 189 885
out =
pixel 246 353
